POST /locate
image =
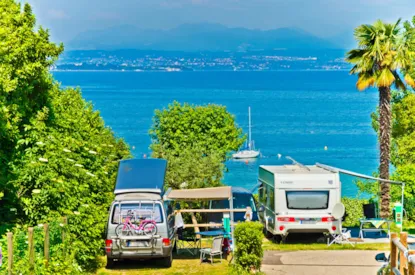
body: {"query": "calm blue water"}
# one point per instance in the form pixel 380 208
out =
pixel 294 113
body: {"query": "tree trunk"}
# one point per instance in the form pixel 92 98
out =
pixel 385 118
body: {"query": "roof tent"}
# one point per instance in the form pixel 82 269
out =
pixel 141 175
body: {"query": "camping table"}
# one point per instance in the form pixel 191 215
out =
pixel 377 223
pixel 212 233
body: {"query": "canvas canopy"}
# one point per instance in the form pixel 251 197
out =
pixel 213 193
pixel 338 170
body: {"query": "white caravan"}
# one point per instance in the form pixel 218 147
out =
pixel 298 198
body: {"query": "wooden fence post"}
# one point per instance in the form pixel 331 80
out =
pixel 46 244
pixel 403 260
pixel 10 253
pixel 411 268
pixel 64 222
pixel 394 253
pixel 31 250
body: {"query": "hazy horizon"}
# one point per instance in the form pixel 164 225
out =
pixel 324 18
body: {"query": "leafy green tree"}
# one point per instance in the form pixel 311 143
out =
pixel 210 128
pixel 383 51
pixel 190 168
pixel 66 165
pixel 57 157
pixel 25 82
pixel 195 140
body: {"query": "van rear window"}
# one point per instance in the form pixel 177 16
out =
pixel 138 211
pixel 307 199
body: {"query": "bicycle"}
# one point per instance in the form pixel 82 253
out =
pixel 146 227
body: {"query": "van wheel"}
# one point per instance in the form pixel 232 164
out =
pixel 167 261
pixel 277 239
pixel 267 234
pixel 110 263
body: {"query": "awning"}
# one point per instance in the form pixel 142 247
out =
pixel 213 193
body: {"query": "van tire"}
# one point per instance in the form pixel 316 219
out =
pixel 110 263
pixel 267 234
pixel 277 239
pixel 167 261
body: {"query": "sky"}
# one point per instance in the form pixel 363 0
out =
pixel 325 18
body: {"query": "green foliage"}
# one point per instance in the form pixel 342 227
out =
pixel 195 140
pixel 60 262
pixel 68 166
pixel 209 128
pixel 354 211
pixel 248 241
pixel 383 49
pixel 190 168
pixel 57 157
pixel 25 82
pixel 239 270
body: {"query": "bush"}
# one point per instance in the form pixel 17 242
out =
pixel 59 263
pixel 248 241
pixel 354 211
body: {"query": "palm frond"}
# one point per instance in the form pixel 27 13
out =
pixel 385 78
pixel 399 84
pixel 365 81
pixel 409 80
pixel 355 55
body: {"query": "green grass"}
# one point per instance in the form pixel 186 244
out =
pixel 269 245
pixel 181 265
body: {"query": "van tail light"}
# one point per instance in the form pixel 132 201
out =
pixel 108 244
pixel 327 219
pixel 166 242
pixel 286 219
pixel 333 228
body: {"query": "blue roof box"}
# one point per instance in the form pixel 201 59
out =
pixel 141 175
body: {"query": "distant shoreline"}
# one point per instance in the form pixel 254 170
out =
pixel 187 71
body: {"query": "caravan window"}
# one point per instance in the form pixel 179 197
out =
pixel 138 210
pixel 307 199
pixel 271 198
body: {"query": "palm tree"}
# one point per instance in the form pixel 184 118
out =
pixel 384 53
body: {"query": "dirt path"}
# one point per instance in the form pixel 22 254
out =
pixel 320 262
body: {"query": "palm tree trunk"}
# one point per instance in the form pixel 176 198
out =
pixel 385 118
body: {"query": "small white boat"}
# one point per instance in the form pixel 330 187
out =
pixel 250 151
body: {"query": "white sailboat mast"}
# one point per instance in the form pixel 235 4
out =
pixel 249 132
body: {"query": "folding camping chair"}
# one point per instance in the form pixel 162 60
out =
pixel 216 249
pixel 187 241
pixel 342 238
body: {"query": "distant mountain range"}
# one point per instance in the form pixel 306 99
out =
pixel 200 37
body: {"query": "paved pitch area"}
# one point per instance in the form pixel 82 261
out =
pixel 338 262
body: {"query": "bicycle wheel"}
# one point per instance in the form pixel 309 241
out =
pixel 123 230
pixel 150 229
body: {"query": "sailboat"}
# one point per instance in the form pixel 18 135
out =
pixel 249 151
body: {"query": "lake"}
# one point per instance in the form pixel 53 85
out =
pixel 294 113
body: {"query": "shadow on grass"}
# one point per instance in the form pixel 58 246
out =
pixel 185 259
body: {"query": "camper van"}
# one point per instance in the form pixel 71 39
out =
pixel 138 197
pixel 298 198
